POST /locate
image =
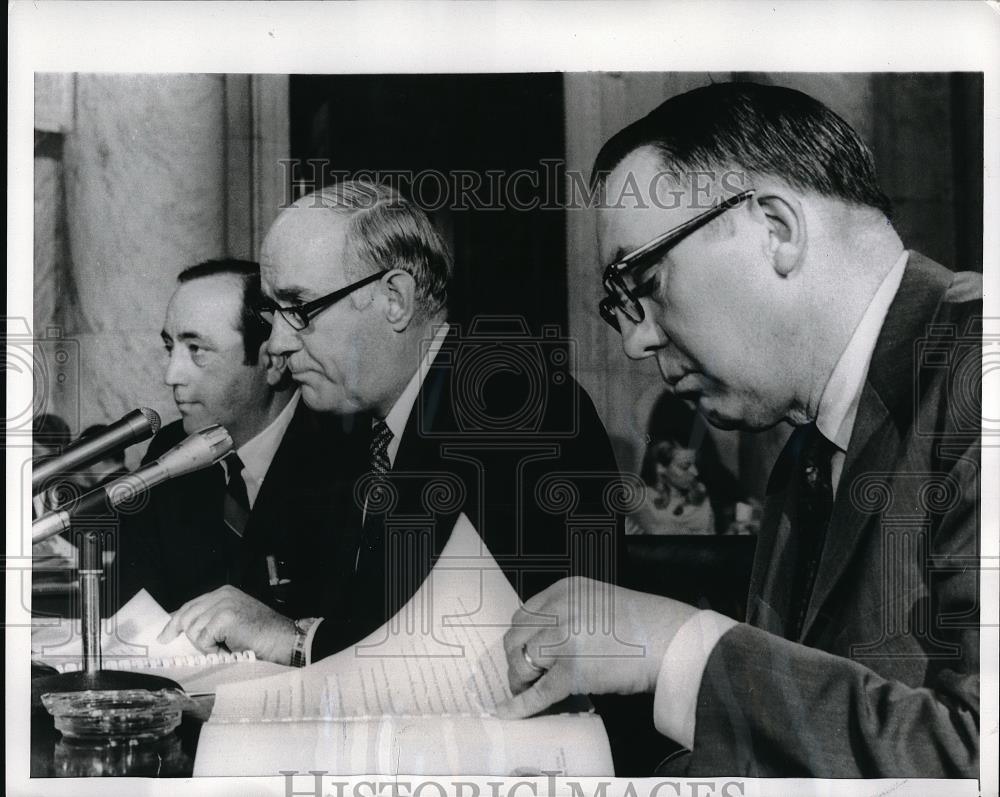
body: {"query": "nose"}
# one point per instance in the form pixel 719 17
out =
pixel 176 372
pixel 642 339
pixel 284 339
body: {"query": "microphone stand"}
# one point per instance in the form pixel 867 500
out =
pixel 199 450
pixel 92 676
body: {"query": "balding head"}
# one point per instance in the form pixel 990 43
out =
pixel 376 272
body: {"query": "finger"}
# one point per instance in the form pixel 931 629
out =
pixel 550 593
pixel 180 619
pixel 210 636
pixel 195 629
pixel 549 689
pixel 541 616
pixel 520 676
pixel 526 628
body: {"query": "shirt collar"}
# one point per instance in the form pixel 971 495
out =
pixel 400 412
pixel 257 453
pixel 838 406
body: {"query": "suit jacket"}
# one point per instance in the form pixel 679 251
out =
pixel 178 547
pixel 501 432
pixel 883 680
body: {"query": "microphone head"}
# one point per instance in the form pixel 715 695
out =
pixel 153 417
pixel 199 450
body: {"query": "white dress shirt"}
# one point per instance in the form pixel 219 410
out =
pixel 256 454
pixel 400 412
pixel 679 681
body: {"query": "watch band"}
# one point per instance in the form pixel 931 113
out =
pixel 302 627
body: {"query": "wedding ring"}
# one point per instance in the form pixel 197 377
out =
pixel 530 661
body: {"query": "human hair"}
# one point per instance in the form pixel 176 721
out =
pixel 250 326
pixel 50 430
pixel 660 452
pixel 756 129
pixel 388 231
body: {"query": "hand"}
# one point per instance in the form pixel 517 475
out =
pixel 591 638
pixel 229 619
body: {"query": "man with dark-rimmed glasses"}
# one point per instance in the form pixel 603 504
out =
pixel 355 282
pixel 792 299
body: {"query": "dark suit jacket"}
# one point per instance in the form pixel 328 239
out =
pixel 883 680
pixel 501 432
pixel 178 547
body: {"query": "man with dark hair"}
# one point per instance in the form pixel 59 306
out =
pixel 356 283
pixel 750 254
pixel 259 521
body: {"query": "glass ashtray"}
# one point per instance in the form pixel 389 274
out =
pixel 116 714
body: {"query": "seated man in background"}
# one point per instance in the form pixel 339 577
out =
pixel 791 297
pixel 356 280
pixel 260 520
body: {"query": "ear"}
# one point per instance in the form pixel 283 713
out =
pixel 275 365
pixel 401 294
pixel 785 220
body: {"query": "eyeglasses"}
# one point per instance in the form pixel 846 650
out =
pixel 625 298
pixel 298 316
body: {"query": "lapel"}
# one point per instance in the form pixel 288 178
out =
pixel 418 455
pixel 884 419
pixel 419 447
pixel 284 470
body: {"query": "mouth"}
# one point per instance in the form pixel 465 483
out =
pixel 686 383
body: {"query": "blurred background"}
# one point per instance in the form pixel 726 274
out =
pixel 138 176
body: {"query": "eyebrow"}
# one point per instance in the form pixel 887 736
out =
pixel 292 293
pixel 181 336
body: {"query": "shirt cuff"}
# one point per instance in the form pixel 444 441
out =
pixel 307 646
pixel 675 702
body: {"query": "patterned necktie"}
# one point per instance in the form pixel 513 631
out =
pixel 814 505
pixel 379 451
pixel 236 505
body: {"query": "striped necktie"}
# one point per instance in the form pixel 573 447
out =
pixel 236 505
pixel 379 451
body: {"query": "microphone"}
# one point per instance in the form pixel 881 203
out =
pixel 138 425
pixel 197 451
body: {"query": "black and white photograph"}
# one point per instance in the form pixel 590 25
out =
pixel 485 399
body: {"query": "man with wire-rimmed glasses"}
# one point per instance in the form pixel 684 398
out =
pixel 788 296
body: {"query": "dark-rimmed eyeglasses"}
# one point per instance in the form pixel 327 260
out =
pixel 624 298
pixel 298 316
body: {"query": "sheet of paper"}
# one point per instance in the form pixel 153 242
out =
pixel 442 654
pixel 571 744
pixel 133 632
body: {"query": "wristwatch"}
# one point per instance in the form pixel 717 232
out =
pixel 302 627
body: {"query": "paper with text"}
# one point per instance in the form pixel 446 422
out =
pixel 441 654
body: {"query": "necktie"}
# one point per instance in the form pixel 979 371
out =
pixel 378 457
pixel 814 505
pixel 379 451
pixel 236 505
